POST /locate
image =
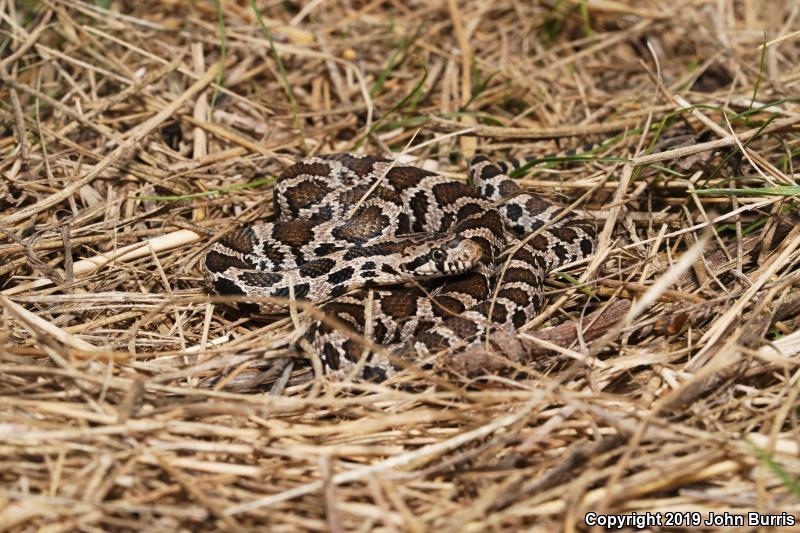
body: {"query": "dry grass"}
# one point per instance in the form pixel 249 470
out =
pixel 130 400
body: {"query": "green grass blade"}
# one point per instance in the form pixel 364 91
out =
pixel 760 71
pixel 242 186
pixel 395 60
pixel 519 172
pixel 223 51
pixel 575 282
pixel 287 87
pixel 779 190
pixel 778 470
pixel 394 108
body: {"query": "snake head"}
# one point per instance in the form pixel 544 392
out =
pixel 441 257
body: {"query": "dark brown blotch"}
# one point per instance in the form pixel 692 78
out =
pixel 539 242
pixel 462 327
pixel 448 192
pixel 516 295
pixel 226 286
pixel 508 187
pixel 490 171
pixel 521 275
pixel 361 166
pixel 342 275
pixel 368 224
pixel 306 194
pixel 535 205
pixel 404 177
pixel 587 247
pixel 348 313
pixel 564 233
pixel 217 262
pixel 317 267
pixel 273 254
pixel 447 305
pixel 259 279
pixel 400 305
pixel 311 168
pixel 240 240
pixel 294 233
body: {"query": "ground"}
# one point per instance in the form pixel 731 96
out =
pixel 661 379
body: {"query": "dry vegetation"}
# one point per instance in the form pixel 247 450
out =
pixel 134 133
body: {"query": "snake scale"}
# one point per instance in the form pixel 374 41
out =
pixel 439 260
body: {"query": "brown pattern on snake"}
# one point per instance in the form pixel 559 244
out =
pixel 416 225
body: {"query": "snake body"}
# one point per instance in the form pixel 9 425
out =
pixel 477 254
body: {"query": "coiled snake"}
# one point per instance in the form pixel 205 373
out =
pixel 346 222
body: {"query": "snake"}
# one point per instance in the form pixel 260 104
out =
pixel 419 261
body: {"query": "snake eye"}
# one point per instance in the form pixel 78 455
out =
pixel 438 255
